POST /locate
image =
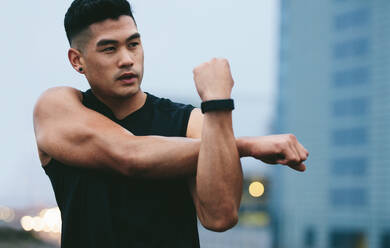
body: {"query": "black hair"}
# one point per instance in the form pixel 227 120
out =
pixel 83 13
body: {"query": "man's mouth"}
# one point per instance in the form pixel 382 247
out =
pixel 128 77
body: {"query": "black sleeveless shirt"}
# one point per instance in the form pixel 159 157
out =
pixel 101 209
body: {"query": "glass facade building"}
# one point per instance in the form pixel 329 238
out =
pixel 334 87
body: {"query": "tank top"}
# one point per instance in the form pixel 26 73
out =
pixel 101 209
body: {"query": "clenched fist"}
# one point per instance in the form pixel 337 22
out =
pixel 213 80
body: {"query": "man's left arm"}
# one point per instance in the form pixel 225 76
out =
pixel 217 185
pixel 274 149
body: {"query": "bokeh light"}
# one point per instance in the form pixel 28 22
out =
pixel 27 223
pixel 256 189
pixel 6 214
pixel 49 220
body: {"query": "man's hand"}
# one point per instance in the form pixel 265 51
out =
pixel 276 149
pixel 213 80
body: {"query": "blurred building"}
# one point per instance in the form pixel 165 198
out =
pixel 334 87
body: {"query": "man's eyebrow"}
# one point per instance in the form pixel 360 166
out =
pixel 133 36
pixel 106 42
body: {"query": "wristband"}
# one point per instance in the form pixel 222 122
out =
pixel 215 105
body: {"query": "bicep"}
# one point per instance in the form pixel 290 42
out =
pixel 71 133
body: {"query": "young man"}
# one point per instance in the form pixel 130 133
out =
pixel 133 170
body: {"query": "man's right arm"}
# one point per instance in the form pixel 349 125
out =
pixel 75 135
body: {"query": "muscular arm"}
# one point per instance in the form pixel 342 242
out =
pixel 73 134
pixel 217 187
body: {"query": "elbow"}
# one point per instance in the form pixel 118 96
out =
pixel 222 223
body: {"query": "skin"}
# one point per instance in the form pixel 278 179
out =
pixel 209 157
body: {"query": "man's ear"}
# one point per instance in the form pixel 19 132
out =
pixel 75 58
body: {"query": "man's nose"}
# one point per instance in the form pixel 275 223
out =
pixel 125 59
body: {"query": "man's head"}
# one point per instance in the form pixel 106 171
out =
pixel 83 13
pixel 105 46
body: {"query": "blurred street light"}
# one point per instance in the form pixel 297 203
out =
pixel 6 214
pixel 256 189
pixel 49 220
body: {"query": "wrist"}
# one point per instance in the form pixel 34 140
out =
pixel 217 105
pixel 215 96
pixel 244 147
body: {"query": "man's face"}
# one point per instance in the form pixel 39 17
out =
pixel 113 58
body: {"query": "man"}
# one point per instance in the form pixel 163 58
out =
pixel 133 170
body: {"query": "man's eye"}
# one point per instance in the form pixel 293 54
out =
pixel 108 49
pixel 133 44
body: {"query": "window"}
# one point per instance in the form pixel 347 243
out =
pixel 350 107
pixel 310 237
pixel 385 240
pixel 352 136
pixel 347 239
pixel 350 77
pixel 356 18
pixel 354 166
pixel 349 197
pixel 351 48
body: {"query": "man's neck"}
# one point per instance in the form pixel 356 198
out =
pixel 122 107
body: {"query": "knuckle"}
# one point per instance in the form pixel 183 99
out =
pixel 279 147
pixel 293 159
pixel 292 137
pixel 285 142
pixel 196 69
pixel 225 62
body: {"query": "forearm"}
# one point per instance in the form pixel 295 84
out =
pixel 159 157
pixel 219 174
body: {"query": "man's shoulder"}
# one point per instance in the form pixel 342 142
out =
pixel 53 97
pixel 59 93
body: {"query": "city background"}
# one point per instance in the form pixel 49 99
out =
pixel 317 69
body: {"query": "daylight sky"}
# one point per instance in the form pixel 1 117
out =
pixel 177 35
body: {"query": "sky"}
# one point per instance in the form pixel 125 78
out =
pixel 177 35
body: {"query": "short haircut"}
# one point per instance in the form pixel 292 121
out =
pixel 82 13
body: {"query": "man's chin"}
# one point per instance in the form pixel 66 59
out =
pixel 127 92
